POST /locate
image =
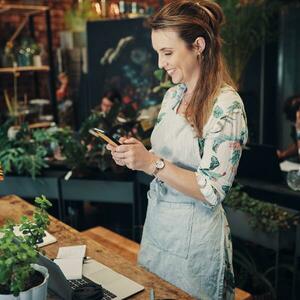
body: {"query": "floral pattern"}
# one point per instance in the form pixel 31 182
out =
pixel 226 134
pixel 221 147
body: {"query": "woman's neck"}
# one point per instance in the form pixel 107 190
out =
pixel 191 84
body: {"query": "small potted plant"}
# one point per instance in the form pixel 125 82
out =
pixel 20 276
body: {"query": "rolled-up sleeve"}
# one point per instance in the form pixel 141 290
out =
pixel 222 149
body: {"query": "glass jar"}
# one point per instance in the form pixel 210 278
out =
pixel 24 54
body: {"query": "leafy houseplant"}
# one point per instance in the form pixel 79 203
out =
pixel 19 253
pixel 247 27
pixel 26 152
pixel 164 81
pixel 266 220
pixel 267 217
pixel 76 17
pixel 82 152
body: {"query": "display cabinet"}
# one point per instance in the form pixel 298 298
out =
pixel 29 12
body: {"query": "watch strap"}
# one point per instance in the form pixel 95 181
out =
pixel 157 169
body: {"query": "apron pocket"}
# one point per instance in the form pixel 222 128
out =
pixel 170 226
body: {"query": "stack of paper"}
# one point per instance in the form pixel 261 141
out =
pixel 47 240
pixel 70 261
pixel 287 166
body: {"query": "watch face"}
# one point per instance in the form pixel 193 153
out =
pixel 160 164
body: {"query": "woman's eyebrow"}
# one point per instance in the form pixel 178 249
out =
pixel 165 48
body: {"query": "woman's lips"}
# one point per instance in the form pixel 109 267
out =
pixel 170 71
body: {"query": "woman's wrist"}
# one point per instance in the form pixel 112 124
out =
pixel 150 165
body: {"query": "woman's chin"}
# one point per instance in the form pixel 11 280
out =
pixel 175 80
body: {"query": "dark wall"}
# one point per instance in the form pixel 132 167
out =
pixel 130 70
pixel 259 92
pixel 288 66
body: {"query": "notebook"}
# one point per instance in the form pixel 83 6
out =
pixel 70 261
pixel 260 162
pixel 114 285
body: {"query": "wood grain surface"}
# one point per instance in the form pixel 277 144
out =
pixel 14 207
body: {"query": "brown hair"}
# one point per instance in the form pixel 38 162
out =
pixel 192 19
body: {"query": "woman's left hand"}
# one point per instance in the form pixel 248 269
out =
pixel 134 155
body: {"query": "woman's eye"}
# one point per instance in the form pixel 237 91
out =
pixel 168 53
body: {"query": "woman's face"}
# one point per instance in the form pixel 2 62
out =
pixel 175 57
pixel 106 104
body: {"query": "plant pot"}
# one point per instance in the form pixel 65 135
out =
pixel 240 227
pixel 36 293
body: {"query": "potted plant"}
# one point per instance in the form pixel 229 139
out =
pixel 23 152
pixel 259 222
pixel 20 276
pixel 25 156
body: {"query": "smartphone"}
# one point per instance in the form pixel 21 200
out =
pixel 105 136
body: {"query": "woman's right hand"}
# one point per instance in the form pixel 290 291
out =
pixel 112 149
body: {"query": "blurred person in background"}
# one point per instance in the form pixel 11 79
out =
pixel 292 112
pixel 109 99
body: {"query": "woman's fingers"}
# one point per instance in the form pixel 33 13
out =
pixel 120 162
pixel 131 140
pixel 110 147
pixel 118 155
pixel 128 154
pixel 122 139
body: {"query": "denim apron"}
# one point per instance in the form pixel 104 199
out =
pixel 183 239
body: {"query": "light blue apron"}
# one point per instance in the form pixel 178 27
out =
pixel 183 239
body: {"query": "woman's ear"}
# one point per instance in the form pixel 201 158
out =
pixel 199 45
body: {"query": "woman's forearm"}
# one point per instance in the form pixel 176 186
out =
pixel 180 179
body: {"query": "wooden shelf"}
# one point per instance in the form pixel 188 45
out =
pixel 22 9
pixel 25 69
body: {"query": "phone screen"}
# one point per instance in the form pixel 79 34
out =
pixel 107 138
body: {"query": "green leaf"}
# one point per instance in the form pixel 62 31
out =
pixel 214 163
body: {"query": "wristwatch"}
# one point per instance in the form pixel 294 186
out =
pixel 159 165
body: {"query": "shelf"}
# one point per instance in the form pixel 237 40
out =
pixel 25 69
pixel 22 9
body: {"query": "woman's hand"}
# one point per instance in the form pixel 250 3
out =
pixel 112 149
pixel 133 154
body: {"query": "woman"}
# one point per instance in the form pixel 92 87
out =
pixel 196 147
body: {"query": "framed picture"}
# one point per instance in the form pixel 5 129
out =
pixel 120 56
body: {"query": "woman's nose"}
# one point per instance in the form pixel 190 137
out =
pixel 161 62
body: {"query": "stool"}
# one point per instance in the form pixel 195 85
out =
pixel 129 249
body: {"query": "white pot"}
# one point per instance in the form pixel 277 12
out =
pixel 36 293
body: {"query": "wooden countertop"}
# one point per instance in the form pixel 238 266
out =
pixel 14 207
